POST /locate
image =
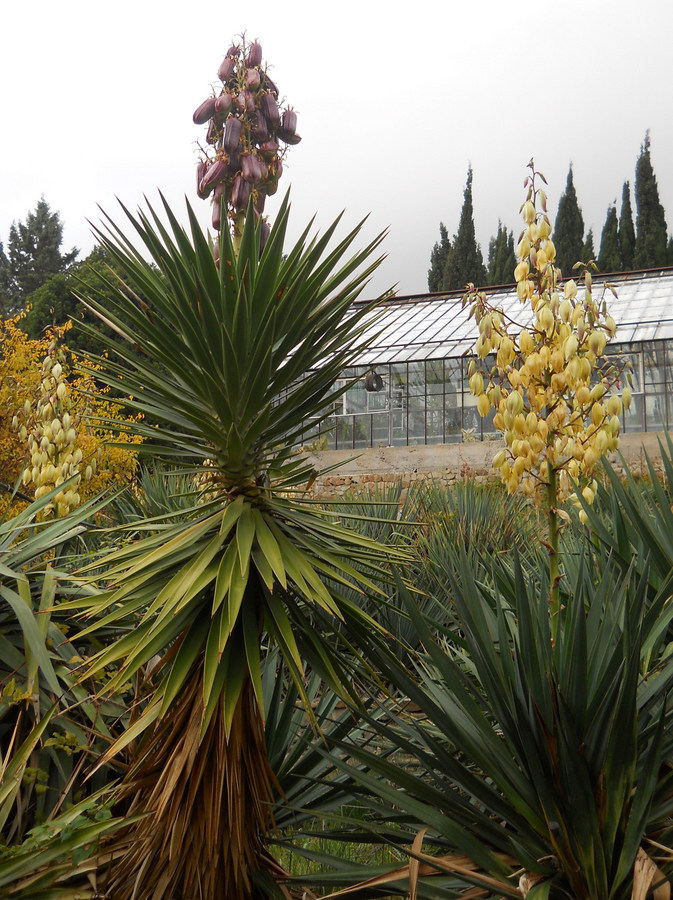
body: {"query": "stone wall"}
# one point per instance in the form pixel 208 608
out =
pixel 445 463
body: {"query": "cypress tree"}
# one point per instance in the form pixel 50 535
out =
pixel 588 252
pixel 651 231
pixel 627 232
pixel 568 228
pixel 609 257
pixel 5 280
pixel 438 258
pixel 501 257
pixel 465 263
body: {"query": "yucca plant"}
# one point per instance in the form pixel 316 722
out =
pixel 532 767
pixel 634 519
pixel 39 684
pixel 235 353
pixel 49 725
pixel 480 520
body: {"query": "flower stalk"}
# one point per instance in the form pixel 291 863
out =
pixel 554 393
pixel 247 136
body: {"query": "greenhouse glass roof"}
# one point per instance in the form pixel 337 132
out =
pixel 435 326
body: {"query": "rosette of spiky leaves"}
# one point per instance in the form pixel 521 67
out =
pixel 49 726
pixel 529 762
pixel 233 358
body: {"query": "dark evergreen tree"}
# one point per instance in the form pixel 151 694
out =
pixel 627 231
pixel 609 257
pixel 53 303
pixel 438 258
pixel 501 257
pixel 588 252
pixel 651 232
pixel 56 302
pixel 569 228
pixel 5 279
pixel 34 253
pixel 465 263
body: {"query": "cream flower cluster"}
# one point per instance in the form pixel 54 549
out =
pixel 50 429
pixel 552 388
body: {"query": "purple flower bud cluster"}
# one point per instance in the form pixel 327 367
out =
pixel 247 131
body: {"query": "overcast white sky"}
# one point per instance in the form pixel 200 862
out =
pixel 394 101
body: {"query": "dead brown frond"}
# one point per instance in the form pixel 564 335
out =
pixel 209 799
pixel 423 865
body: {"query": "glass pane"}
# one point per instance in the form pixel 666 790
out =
pixel 355 399
pixel 434 376
pixel 363 431
pixel 471 422
pixel 344 432
pixel 433 423
pixel 416 376
pixel 653 364
pixel 655 411
pixel 634 419
pixel 399 427
pixel 453 417
pixel 380 430
pixel 487 424
pixel 398 387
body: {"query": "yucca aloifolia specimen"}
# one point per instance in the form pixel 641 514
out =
pixel 221 385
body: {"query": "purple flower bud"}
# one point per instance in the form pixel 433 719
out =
pixel 268 149
pixel 201 170
pixel 252 79
pixel 232 133
pixel 224 104
pixel 289 121
pixel 270 110
pixel 226 68
pixel 234 50
pixel 254 54
pixel 240 193
pixel 217 172
pixel 259 199
pixel 264 232
pixel 260 131
pixel 288 128
pixel 204 112
pixel 245 102
pixel 217 216
pixel 250 168
pixel 214 130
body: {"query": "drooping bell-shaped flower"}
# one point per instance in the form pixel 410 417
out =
pixel 248 131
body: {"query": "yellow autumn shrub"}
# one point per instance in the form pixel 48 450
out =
pixel 56 427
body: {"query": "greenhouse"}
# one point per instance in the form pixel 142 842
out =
pixel 411 386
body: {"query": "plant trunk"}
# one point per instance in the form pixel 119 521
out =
pixel 209 804
pixel 553 547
